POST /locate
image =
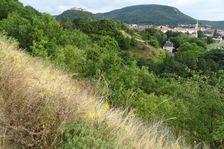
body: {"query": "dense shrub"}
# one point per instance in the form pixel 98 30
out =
pixel 82 135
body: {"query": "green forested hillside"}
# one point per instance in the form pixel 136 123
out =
pixel 74 14
pixel 143 14
pixel 215 24
pixel 149 14
pixel 184 90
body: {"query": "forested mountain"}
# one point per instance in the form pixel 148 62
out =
pixel 44 107
pixel 149 14
pixel 143 14
pixel 215 24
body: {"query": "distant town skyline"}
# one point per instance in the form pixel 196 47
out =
pixel 198 9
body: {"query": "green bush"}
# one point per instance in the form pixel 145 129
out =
pixel 154 43
pixel 82 135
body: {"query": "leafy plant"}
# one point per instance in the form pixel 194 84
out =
pixel 82 135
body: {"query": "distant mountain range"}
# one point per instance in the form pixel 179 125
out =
pixel 143 14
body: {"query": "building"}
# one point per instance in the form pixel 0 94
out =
pixel 218 39
pixel 78 9
pixel 168 46
pixel 139 27
pixel 208 32
pixel 164 29
pixel 222 35
pixel 191 31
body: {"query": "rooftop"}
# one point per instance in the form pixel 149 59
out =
pixel 168 44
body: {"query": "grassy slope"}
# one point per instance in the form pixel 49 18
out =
pixel 2 130
pixel 39 99
pixel 142 49
pixel 215 45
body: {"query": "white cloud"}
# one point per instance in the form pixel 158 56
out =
pixel 183 2
pixel 63 7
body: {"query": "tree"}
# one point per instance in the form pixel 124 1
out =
pixel 18 27
pixel 206 112
pixel 212 61
pixel 210 40
pixel 216 34
pixel 200 34
pixel 154 43
pixel 8 6
pixel 74 58
pixel 153 35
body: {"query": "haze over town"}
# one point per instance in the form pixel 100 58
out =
pixel 199 9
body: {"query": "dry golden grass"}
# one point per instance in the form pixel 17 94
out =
pixel 38 99
pixel 2 130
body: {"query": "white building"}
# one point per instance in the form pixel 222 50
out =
pixel 168 46
pixel 218 39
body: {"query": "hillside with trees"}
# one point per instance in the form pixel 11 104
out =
pixel 149 14
pixel 45 108
pixel 142 14
pixel 74 14
pixel 215 24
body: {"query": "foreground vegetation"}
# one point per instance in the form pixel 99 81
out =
pixel 185 91
pixel 45 108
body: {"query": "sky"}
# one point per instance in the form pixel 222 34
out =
pixel 199 9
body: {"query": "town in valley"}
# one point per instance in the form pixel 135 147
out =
pixel 192 30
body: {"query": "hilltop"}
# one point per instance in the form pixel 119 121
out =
pixel 140 14
pixel 143 14
pixel 149 14
pixel 75 13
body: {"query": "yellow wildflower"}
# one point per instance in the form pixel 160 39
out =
pixel 52 75
pixel 17 62
pixel 76 89
pixel 42 94
pixel 133 115
pixel 90 115
pixel 177 146
pixel 48 89
pixel 106 106
pixel 5 57
pixel 98 114
pixel 126 128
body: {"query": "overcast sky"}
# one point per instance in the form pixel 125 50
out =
pixel 199 9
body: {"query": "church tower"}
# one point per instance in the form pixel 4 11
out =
pixel 196 29
pixel 196 25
